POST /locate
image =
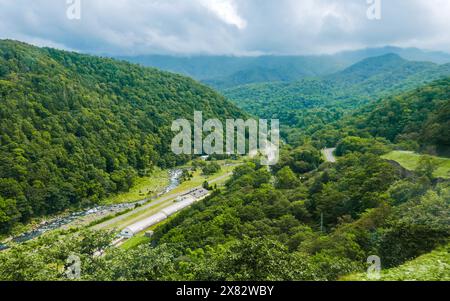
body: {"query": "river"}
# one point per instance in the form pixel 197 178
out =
pixel 60 222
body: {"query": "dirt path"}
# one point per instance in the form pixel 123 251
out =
pixel 329 156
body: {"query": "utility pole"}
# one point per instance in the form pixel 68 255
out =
pixel 321 222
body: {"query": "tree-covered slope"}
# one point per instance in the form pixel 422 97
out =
pixel 434 266
pixel 418 119
pixel 75 128
pixel 321 100
pixel 266 226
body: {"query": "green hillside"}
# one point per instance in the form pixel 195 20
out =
pixel 417 119
pixel 318 101
pixel 266 226
pixel 411 161
pixel 434 266
pixel 76 128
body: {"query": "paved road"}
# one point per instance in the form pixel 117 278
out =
pixel 155 203
pixel 329 156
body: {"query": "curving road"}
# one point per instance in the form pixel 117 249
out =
pixel 329 156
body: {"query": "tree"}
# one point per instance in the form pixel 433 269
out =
pixel 416 228
pixel 249 259
pixel 286 179
pixel 361 145
pixel 9 215
pixel 211 168
pixel 206 185
pixel 427 166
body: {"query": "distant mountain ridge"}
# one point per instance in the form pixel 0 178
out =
pixel 410 54
pixel 224 72
pixel 387 73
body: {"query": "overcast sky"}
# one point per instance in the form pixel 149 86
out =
pixel 239 27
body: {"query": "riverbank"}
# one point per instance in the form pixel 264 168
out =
pixel 147 193
pixel 108 208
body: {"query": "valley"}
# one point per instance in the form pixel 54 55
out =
pixel 363 167
pixel 166 199
pixel 132 208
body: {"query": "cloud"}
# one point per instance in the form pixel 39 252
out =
pixel 242 27
pixel 226 11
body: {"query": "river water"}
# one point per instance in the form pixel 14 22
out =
pixel 60 222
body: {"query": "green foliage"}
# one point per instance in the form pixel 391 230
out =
pixel 9 214
pixel 426 167
pixel 75 129
pixel 286 179
pixel 361 145
pixel 420 116
pixel 434 266
pixel 45 259
pixel 300 160
pixel 257 230
pixel 358 183
pixel 411 161
pixel 79 128
pixel 416 228
pixel 211 168
pixel 312 103
pixel 186 175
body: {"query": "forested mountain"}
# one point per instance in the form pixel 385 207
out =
pixel 76 128
pixel 410 54
pixel 228 71
pixel 318 101
pixel 418 119
pixel 224 72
